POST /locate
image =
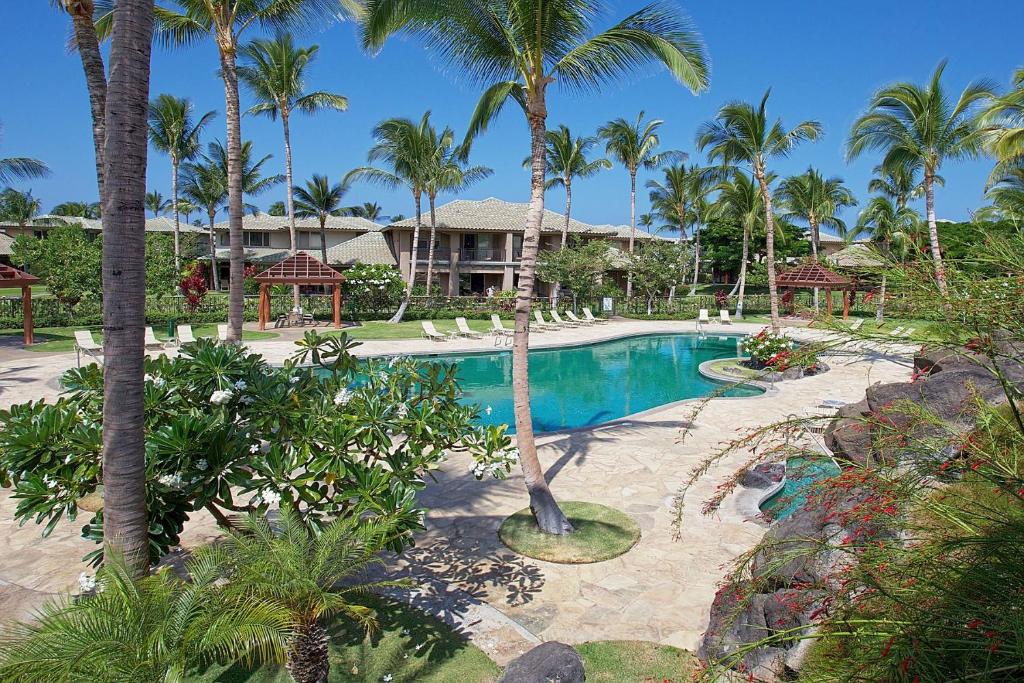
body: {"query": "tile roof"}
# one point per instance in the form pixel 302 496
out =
pixel 160 224
pixel 371 247
pixel 5 244
pixel 300 268
pixel 268 223
pixel 835 239
pixel 496 215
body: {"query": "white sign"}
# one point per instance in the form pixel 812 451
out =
pixel 606 304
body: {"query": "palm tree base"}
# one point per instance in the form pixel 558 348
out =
pixel 550 518
pixel 307 654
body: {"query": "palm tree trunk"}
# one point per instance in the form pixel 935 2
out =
pixel 545 509
pixel 769 220
pixel 814 252
pixel 696 253
pixel 880 306
pixel 417 199
pixel 632 228
pixel 236 210
pixel 125 530
pixel 214 271
pixel 323 237
pixel 177 217
pixel 290 195
pixel 557 286
pixel 933 231
pixel 430 250
pixel 682 236
pixel 742 282
pixel 95 80
pixel 308 654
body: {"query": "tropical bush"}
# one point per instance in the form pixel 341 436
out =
pixel 193 285
pixel 68 261
pixel 767 348
pixel 226 433
pixel 579 267
pixel 372 287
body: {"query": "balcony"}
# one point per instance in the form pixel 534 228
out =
pixel 440 255
pixel 482 254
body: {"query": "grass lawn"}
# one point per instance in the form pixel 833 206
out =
pixel 37 290
pixel 629 661
pixel 732 368
pixel 601 534
pixel 55 339
pixel 408 329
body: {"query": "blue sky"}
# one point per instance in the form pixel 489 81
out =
pixel 821 59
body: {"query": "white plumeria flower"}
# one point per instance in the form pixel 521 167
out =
pixel 202 465
pixel 387 678
pixel 270 497
pixel 240 385
pixel 255 448
pixel 294 379
pixel 86 582
pixel 342 397
pixel 221 397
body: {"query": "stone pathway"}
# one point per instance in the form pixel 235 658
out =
pixel 659 591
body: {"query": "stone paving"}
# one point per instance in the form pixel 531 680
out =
pixel 660 591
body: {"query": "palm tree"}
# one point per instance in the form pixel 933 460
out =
pixel 740 202
pixel 410 151
pixel 18 207
pixel 156 203
pixel 632 144
pixel 1007 197
pixel 274 71
pixel 540 42
pixel 172 132
pixel 278 208
pixel 319 199
pixel 742 133
pixel 21 168
pixel 921 126
pixel 225 21
pixel 889 224
pixel 646 221
pixel 77 209
pixel 899 182
pixel 308 574
pixel 1004 119
pixel 186 208
pixel 702 183
pixel 203 185
pixel 158 628
pixel 371 211
pixel 250 171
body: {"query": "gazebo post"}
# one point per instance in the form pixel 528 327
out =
pixel 263 306
pixel 846 304
pixel 828 302
pixel 26 307
pixel 337 304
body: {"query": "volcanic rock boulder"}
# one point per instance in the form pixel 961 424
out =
pixel 550 662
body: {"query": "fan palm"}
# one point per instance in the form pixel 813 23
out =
pixel 919 125
pixel 1004 117
pixel 410 150
pixel 518 48
pixel 18 207
pixel 890 224
pixel 319 199
pixel 225 21
pixel 77 209
pixel 156 203
pixel 633 144
pixel 153 630
pixel 743 133
pixel 740 201
pixel 21 168
pixel 172 132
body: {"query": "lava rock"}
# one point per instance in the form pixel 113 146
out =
pixel 792 373
pixel 550 662
pixel 763 476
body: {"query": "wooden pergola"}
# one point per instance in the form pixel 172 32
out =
pixel 816 276
pixel 12 277
pixel 299 269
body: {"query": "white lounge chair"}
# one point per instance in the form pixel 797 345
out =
pixel 222 333
pixel 85 344
pixel 498 329
pixel 588 314
pixel 702 316
pixel 723 317
pixel 856 324
pixel 907 333
pixel 897 332
pixel 464 331
pixel 541 324
pixel 151 342
pixel 185 335
pixel 562 323
pixel 430 332
pixel 579 321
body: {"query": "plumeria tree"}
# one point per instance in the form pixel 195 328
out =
pixel 657 267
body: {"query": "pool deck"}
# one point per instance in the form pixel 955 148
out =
pixel 660 591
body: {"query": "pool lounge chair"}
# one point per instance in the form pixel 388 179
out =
pixel 579 321
pixel 465 331
pixel 541 325
pixel 498 329
pixel 222 333
pixel 723 317
pixel 702 317
pixel 430 332
pixel 562 323
pixel 185 335
pixel 85 344
pixel 907 333
pixel 588 314
pixel 856 324
pixel 151 342
pixel 897 332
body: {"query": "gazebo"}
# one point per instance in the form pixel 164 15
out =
pixel 815 276
pixel 299 269
pixel 12 277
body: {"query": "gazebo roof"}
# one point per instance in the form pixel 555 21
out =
pixel 12 277
pixel 811 275
pixel 300 269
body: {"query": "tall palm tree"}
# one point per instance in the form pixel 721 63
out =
pixel 274 70
pixel 204 185
pixel 18 207
pixel 909 123
pixel 172 132
pixel 1004 119
pixel 898 182
pixel 889 224
pixel 742 133
pixel 186 208
pixel 319 199
pixel 224 22
pixel 702 183
pixel 250 171
pixel 646 221
pixel 278 208
pixel 371 211
pixel 125 527
pixel 156 203
pixel 409 150
pixel 77 209
pixel 633 144
pixel 540 42
pixel 21 168
pixel 740 201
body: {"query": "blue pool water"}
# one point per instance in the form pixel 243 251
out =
pixel 581 386
pixel 801 476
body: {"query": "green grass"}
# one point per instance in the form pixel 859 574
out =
pixel 37 290
pixel 732 368
pixel 57 339
pixel 635 661
pixel 601 533
pixel 443 655
pixel 407 329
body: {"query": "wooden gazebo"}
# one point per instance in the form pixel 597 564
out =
pixel 816 276
pixel 299 269
pixel 12 277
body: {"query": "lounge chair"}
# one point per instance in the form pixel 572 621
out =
pixel 702 317
pixel 592 318
pixel 856 324
pixel 85 344
pixel 541 324
pixel 222 333
pixel 430 332
pixel 723 317
pixel 579 321
pixel 185 335
pixel 464 331
pixel 498 329
pixel 907 333
pixel 897 332
pixel 562 323
pixel 151 342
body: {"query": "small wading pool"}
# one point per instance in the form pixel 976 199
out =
pixel 587 385
pixel 801 476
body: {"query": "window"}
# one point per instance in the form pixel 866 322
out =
pixel 305 239
pixel 255 239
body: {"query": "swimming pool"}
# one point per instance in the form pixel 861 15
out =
pixel 587 385
pixel 802 474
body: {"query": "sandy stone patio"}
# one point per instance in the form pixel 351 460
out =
pixel 660 591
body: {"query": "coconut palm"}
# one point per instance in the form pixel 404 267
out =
pixel 410 151
pixel 702 183
pixel 1004 118
pixel 646 221
pixel 21 168
pixel 172 132
pixel 224 22
pixel 633 144
pixel 186 208
pixel 203 184
pixel 1007 196
pixel 77 209
pixel 740 201
pixel 319 199
pixel 278 209
pixel 274 70
pixel 742 133
pixel 250 171
pixel 540 42
pixel 921 126
pixel 371 211
pixel 889 224
pixel 18 207
pixel 156 203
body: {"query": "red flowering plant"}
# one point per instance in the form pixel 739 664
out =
pixel 193 285
pixel 721 299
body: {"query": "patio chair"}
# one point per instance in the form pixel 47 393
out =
pixel 579 321
pixel 702 317
pixel 541 325
pixel 562 323
pixel 897 332
pixel 430 332
pixel 463 330
pixel 85 344
pixel 185 335
pixel 498 329
pixel 151 342
pixel 222 333
pixel 723 317
pixel 588 314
